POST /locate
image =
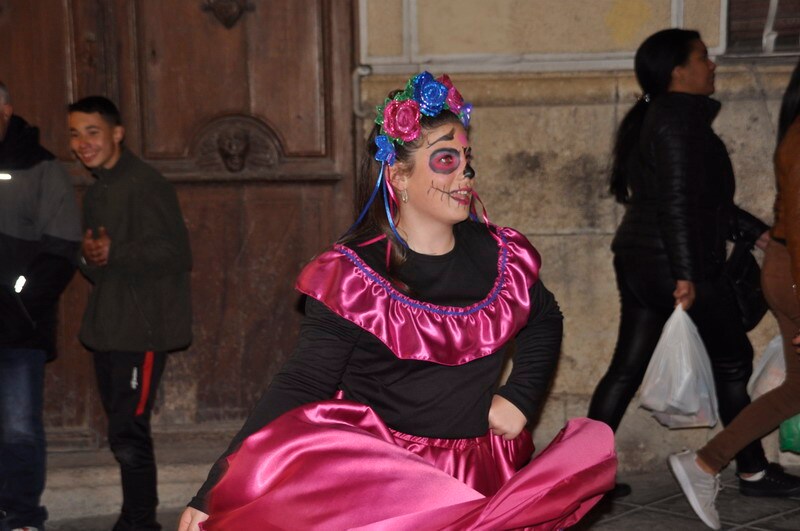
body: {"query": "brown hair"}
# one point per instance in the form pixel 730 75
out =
pixel 375 222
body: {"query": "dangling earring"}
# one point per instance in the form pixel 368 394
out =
pixel 403 196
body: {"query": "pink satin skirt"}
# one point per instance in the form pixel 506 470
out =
pixel 335 465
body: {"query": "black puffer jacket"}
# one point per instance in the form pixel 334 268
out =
pixel 39 238
pixel 141 299
pixel 682 187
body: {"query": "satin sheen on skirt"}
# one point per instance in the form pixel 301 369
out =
pixel 335 465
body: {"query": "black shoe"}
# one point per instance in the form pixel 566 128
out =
pixel 620 490
pixel 776 484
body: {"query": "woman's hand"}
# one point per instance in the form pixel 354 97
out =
pixel 684 293
pixel 190 519
pixel 763 240
pixel 505 419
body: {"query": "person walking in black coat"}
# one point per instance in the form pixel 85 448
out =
pixel 673 174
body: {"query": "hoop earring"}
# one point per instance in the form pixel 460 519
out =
pixel 403 196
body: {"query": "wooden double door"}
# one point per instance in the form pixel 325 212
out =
pixel 247 107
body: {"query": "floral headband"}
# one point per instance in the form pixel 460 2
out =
pixel 399 119
pixel 399 116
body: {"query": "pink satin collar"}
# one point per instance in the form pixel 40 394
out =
pixel 416 330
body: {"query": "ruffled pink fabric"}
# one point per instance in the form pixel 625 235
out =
pixel 335 465
pixel 414 330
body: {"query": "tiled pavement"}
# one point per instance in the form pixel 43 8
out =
pixel 656 504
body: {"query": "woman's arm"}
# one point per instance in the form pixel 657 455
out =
pixel 312 373
pixel 790 196
pixel 538 346
pixel 678 163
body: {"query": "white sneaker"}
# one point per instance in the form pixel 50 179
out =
pixel 699 487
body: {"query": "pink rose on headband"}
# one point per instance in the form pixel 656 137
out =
pixel 401 120
pixel 454 99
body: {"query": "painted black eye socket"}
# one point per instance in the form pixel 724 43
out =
pixel 469 173
pixel 445 160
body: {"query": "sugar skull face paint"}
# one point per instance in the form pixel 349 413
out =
pixel 440 185
pixel 469 173
pixel 448 160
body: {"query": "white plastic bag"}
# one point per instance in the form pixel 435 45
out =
pixel 770 370
pixel 678 386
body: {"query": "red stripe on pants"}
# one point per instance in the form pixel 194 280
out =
pixel 147 375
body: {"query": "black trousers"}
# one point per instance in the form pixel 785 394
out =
pixel 127 382
pixel 645 286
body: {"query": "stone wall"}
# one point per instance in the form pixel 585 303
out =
pixel 541 143
pixel 515 35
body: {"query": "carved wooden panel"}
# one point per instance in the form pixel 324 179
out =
pixel 235 145
pixel 35 65
pixel 282 229
pixel 269 65
pixel 246 106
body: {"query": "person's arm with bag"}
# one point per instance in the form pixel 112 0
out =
pixel 790 196
pixel 678 386
pixel 677 160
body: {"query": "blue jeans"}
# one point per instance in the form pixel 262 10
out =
pixel 22 443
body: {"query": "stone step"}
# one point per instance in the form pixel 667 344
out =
pixel 86 483
pixel 95 491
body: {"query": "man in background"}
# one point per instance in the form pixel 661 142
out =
pixel 39 240
pixel 135 252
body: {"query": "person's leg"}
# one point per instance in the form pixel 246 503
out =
pixel 764 414
pixel 719 323
pixel 697 472
pixel 644 310
pixel 128 383
pixel 22 440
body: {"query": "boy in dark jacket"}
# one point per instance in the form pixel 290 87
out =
pixel 135 252
pixel 39 239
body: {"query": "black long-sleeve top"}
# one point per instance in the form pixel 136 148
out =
pixel 416 397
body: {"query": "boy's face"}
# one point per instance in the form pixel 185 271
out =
pixel 94 141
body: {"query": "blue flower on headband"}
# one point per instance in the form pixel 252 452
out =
pixel 429 93
pixel 386 152
pixel 466 114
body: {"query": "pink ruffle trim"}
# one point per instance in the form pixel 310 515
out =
pixel 415 330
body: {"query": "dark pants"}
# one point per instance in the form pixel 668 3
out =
pixel 22 442
pixel 127 382
pixel 645 285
